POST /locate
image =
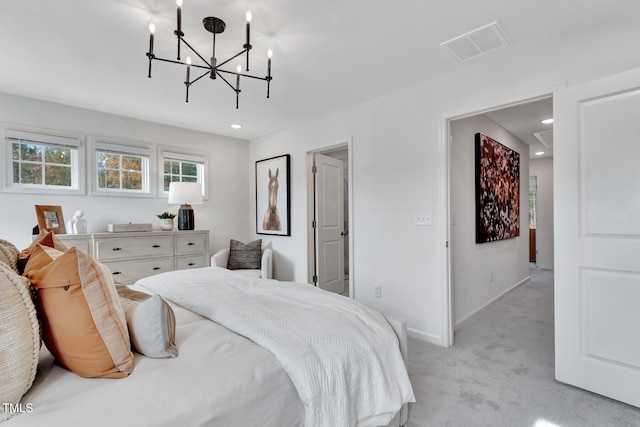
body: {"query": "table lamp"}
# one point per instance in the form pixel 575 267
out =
pixel 185 194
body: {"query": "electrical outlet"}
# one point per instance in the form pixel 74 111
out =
pixel 377 291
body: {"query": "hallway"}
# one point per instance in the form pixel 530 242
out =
pixel 500 372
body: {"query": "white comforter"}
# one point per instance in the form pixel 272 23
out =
pixel 342 357
pixel 219 379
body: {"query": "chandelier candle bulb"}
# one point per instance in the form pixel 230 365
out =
pixel 179 14
pixel 187 84
pixel 239 70
pixel 152 30
pixel 188 62
pixel 248 16
pixel 179 32
pixel 269 55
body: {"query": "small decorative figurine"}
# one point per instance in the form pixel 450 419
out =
pixel 77 225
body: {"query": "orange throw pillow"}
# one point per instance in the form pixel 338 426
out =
pixel 40 256
pixel 84 326
pixel 46 238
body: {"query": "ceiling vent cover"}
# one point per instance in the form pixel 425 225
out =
pixel 476 42
pixel 545 137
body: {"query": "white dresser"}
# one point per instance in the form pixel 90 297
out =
pixel 133 255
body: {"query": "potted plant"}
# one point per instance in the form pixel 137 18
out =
pixel 166 220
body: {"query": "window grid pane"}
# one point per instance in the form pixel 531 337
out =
pixel 124 172
pixel 42 165
pixel 180 171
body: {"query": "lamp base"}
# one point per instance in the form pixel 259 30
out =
pixel 186 220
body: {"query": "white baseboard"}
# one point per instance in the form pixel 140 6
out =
pixel 460 322
pixel 424 336
pixel 545 267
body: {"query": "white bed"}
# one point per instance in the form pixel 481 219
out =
pixel 221 378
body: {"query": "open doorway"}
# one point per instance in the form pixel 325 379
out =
pixel 329 210
pixel 480 273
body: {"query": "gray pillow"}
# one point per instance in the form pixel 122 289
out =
pixel 245 257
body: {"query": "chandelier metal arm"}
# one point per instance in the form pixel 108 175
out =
pixel 193 81
pixel 188 83
pixel 266 79
pixel 231 59
pixel 217 69
pixel 194 51
pixel 225 80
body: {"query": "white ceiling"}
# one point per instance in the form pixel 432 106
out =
pixel 524 121
pixel 328 55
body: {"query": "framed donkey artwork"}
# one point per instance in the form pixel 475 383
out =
pixel 273 205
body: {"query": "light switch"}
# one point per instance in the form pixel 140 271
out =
pixel 424 218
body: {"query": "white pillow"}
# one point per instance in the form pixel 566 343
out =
pixel 151 323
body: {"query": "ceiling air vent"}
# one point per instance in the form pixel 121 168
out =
pixel 545 137
pixel 476 42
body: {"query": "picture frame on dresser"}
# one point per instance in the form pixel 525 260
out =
pixel 50 218
pixel 273 203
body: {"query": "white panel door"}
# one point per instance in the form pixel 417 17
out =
pixel 330 223
pixel 597 236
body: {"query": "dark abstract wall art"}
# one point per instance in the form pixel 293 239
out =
pixel 497 191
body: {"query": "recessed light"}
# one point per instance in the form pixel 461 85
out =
pixel 236 126
pixel 547 121
pixel 539 153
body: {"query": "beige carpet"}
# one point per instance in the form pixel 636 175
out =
pixel 500 372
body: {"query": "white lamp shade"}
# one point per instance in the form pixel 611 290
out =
pixel 185 193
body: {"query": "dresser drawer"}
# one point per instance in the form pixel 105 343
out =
pixel 133 247
pixel 83 245
pixel 127 272
pixel 194 261
pixel 191 244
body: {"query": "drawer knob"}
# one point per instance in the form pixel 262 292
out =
pixel 192 263
pixel 117 249
pixel 157 268
pixel 155 246
pixel 116 272
pixel 190 244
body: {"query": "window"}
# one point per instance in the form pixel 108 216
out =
pixel 180 171
pixel 43 162
pixel 181 167
pixel 121 169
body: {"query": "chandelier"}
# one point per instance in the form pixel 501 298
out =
pixel 212 67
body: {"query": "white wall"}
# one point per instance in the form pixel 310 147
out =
pixel 399 165
pixel 543 169
pixel 225 214
pixel 482 272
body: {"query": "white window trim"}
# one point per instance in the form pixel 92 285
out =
pixel 46 136
pixel 187 156
pixel 124 147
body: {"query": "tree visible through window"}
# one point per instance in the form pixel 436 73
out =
pixel 181 171
pixel 39 164
pixel 121 168
pixel 120 171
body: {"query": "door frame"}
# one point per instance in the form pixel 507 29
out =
pixel 444 131
pixel 348 144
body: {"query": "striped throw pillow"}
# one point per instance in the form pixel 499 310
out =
pixel 245 256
